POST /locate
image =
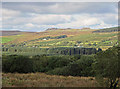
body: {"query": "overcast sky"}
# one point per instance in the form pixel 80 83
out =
pixel 38 16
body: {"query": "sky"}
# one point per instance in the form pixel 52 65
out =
pixel 38 16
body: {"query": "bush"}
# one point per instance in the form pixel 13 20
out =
pixel 81 67
pixel 20 64
pixel 59 71
pixel 45 64
pixel 58 65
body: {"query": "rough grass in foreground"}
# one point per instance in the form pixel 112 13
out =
pixel 43 80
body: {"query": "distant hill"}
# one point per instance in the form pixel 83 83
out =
pixel 58 29
pixel 113 29
pixel 51 29
pixel 8 33
pixel 85 28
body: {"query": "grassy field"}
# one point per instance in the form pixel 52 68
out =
pixel 43 80
pixel 5 39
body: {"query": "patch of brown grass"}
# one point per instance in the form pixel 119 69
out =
pixel 44 80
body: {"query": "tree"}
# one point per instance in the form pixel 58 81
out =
pixel 107 67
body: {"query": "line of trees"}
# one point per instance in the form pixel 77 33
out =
pixel 49 64
pixel 49 37
pixel 60 50
pixel 114 29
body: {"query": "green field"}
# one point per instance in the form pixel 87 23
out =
pixel 9 38
pixel 5 39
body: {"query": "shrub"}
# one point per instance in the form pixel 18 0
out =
pixel 20 64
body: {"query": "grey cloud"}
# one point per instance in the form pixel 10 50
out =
pixel 41 15
pixel 61 7
pixel 61 21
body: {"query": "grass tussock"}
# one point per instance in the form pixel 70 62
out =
pixel 43 80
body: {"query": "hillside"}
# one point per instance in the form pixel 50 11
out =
pixel 9 33
pixel 26 36
pixel 54 37
pixel 113 29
